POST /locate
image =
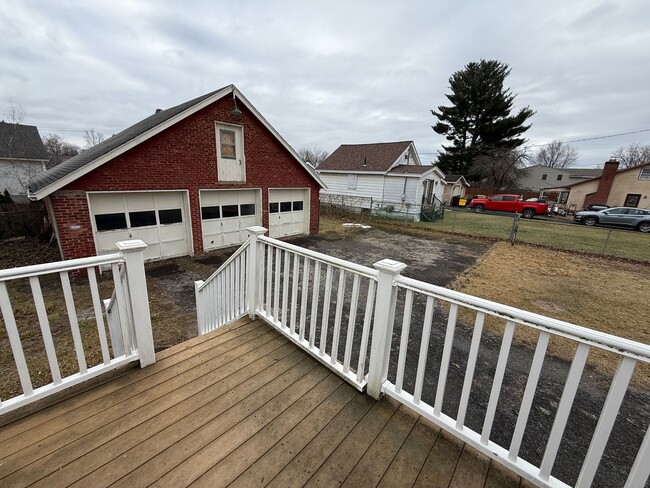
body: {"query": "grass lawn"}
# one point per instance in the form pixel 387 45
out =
pixel 561 234
pixel 597 293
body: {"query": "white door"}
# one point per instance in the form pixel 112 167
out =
pixel 225 216
pixel 158 218
pixel 288 212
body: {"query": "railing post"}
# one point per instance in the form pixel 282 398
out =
pixel 200 315
pixel 382 330
pixel 253 268
pixel 133 251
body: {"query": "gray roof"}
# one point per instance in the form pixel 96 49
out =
pixel 119 139
pixel 21 142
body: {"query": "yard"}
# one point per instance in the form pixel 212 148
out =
pixel 561 233
pixel 602 293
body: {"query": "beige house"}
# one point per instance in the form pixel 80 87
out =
pixel 455 186
pixel 628 187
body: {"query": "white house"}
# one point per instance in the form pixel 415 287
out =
pixel 22 157
pixel 383 178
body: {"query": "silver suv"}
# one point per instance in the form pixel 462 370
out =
pixel 635 218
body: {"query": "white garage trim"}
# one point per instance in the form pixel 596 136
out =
pixel 288 222
pixel 219 231
pixel 160 239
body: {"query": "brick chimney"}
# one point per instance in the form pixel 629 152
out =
pixel 605 184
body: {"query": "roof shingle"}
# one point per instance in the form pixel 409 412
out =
pixel 21 142
pixel 364 157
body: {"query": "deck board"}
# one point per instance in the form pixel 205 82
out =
pixel 240 406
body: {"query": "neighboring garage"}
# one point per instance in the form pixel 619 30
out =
pixel 185 180
pixel 226 214
pixel 288 212
pixel 158 218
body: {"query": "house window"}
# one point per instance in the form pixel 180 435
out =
pixel 632 200
pixel 142 219
pixel 559 177
pixel 114 221
pixel 544 176
pixel 208 213
pixel 352 182
pixel 645 174
pixel 228 145
pixel 171 216
pixel 564 197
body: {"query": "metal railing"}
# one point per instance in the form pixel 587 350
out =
pixel 133 325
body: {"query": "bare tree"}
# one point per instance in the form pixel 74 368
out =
pixel 500 169
pixel 58 149
pixel 15 171
pixel 93 138
pixel 314 155
pixel 632 155
pixel 556 154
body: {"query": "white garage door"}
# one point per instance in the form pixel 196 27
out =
pixel 288 212
pixel 159 219
pixel 225 216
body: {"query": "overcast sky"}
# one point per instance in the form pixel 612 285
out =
pixel 331 72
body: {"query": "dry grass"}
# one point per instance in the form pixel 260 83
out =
pixel 601 294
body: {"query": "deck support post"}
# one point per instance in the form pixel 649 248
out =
pixel 133 251
pixel 382 330
pixel 254 274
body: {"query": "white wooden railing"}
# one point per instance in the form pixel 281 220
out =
pixel 307 296
pixel 223 297
pixel 132 323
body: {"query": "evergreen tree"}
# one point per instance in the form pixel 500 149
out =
pixel 478 122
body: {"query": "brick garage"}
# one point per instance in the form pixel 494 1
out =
pixel 175 153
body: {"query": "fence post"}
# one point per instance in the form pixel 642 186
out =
pixel 133 251
pixel 253 268
pixel 200 313
pixel 382 330
pixel 606 241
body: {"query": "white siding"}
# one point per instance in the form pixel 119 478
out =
pixel 367 185
pixel 15 175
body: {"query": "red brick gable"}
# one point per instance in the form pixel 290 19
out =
pixel 183 157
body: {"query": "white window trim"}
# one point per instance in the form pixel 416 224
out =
pixel 644 174
pixel 352 181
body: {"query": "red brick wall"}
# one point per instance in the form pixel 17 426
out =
pixel 604 185
pixel 183 157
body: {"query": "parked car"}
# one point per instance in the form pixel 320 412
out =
pixel 596 206
pixel 509 203
pixel 634 218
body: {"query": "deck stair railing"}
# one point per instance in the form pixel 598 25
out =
pixel 129 339
pixel 336 310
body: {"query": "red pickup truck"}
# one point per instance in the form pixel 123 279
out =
pixel 509 203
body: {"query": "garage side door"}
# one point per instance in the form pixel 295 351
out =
pixel 159 219
pixel 288 212
pixel 225 216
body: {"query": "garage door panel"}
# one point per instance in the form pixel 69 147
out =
pixel 231 213
pixel 141 212
pixel 288 212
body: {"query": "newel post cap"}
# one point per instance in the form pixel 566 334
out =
pixel 131 245
pixel 390 266
pixel 257 230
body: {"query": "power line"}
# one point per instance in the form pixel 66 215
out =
pixel 576 140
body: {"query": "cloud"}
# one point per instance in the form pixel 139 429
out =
pixel 327 73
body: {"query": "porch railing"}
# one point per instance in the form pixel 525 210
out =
pixel 129 339
pixel 335 309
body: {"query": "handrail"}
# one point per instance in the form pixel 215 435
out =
pixel 72 264
pixel 323 258
pixel 241 249
pixel 606 341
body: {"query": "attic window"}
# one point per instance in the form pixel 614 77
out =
pixel 228 145
pixel 645 174
pixel 544 176
pixel 559 177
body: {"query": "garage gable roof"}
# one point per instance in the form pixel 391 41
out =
pixel 90 159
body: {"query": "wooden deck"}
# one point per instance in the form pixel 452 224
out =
pixel 241 406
